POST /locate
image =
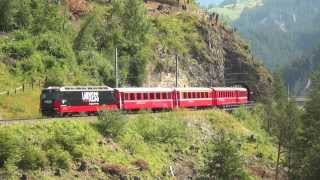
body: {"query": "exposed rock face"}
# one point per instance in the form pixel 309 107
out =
pixel 225 60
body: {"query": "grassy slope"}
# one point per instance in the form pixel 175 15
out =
pixel 20 105
pixel 132 143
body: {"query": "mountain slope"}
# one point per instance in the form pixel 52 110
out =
pixel 280 31
pixel 231 10
pixel 74 43
pixel 168 145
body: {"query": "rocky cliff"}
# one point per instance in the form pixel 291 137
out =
pixel 214 54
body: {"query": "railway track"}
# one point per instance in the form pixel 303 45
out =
pixel 44 120
pixel 88 118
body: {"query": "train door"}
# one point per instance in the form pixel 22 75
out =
pixel 214 98
pixel 121 99
pixel 176 99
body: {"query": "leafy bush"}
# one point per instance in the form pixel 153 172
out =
pixel 55 77
pixel 131 141
pixel 56 45
pixel 19 49
pixel 11 148
pixel 223 160
pixel 72 135
pixel 167 129
pixel 111 123
pixel 33 158
pixel 59 158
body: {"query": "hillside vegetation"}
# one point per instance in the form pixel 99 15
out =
pixel 73 43
pixel 62 45
pixel 148 146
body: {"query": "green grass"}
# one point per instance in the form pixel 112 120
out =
pixel 158 139
pixel 20 105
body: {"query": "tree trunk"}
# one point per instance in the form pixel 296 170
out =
pixel 278 160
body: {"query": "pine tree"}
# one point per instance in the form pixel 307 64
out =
pixel 223 160
pixel 306 155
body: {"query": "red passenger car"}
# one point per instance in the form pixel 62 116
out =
pixel 145 98
pixel 194 97
pixel 242 96
pixel 224 96
pixel 230 96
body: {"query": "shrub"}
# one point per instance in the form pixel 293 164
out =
pixel 167 129
pixel 10 148
pixel 19 49
pixel 132 141
pixel 110 123
pixel 59 158
pixel 71 136
pixel 33 158
pixel 55 77
pixel 223 160
pixel 56 45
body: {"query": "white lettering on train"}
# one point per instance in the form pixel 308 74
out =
pixel 91 97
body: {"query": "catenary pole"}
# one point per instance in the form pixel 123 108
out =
pixel 116 67
pixel 177 70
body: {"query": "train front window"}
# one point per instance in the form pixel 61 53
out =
pixel 49 94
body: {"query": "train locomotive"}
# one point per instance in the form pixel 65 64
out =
pixel 72 100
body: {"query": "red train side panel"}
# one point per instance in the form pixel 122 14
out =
pixel 242 97
pixel 145 98
pixel 224 96
pixel 194 97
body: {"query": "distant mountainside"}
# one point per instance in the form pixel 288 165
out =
pixel 278 31
pixel 297 74
pixel 209 2
pixel 231 10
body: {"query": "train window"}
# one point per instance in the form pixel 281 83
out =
pixel 122 96
pixel 169 95
pixel 185 95
pixel 198 95
pixel 206 94
pixel 132 96
pixel 158 96
pixel 193 95
pixel 145 95
pixel 164 95
pixel 151 95
pixel 139 96
pixel 126 96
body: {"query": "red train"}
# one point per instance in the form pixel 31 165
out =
pixel 69 100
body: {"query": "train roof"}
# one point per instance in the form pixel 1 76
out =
pixel 193 89
pixel 149 89
pixel 229 89
pixel 81 88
